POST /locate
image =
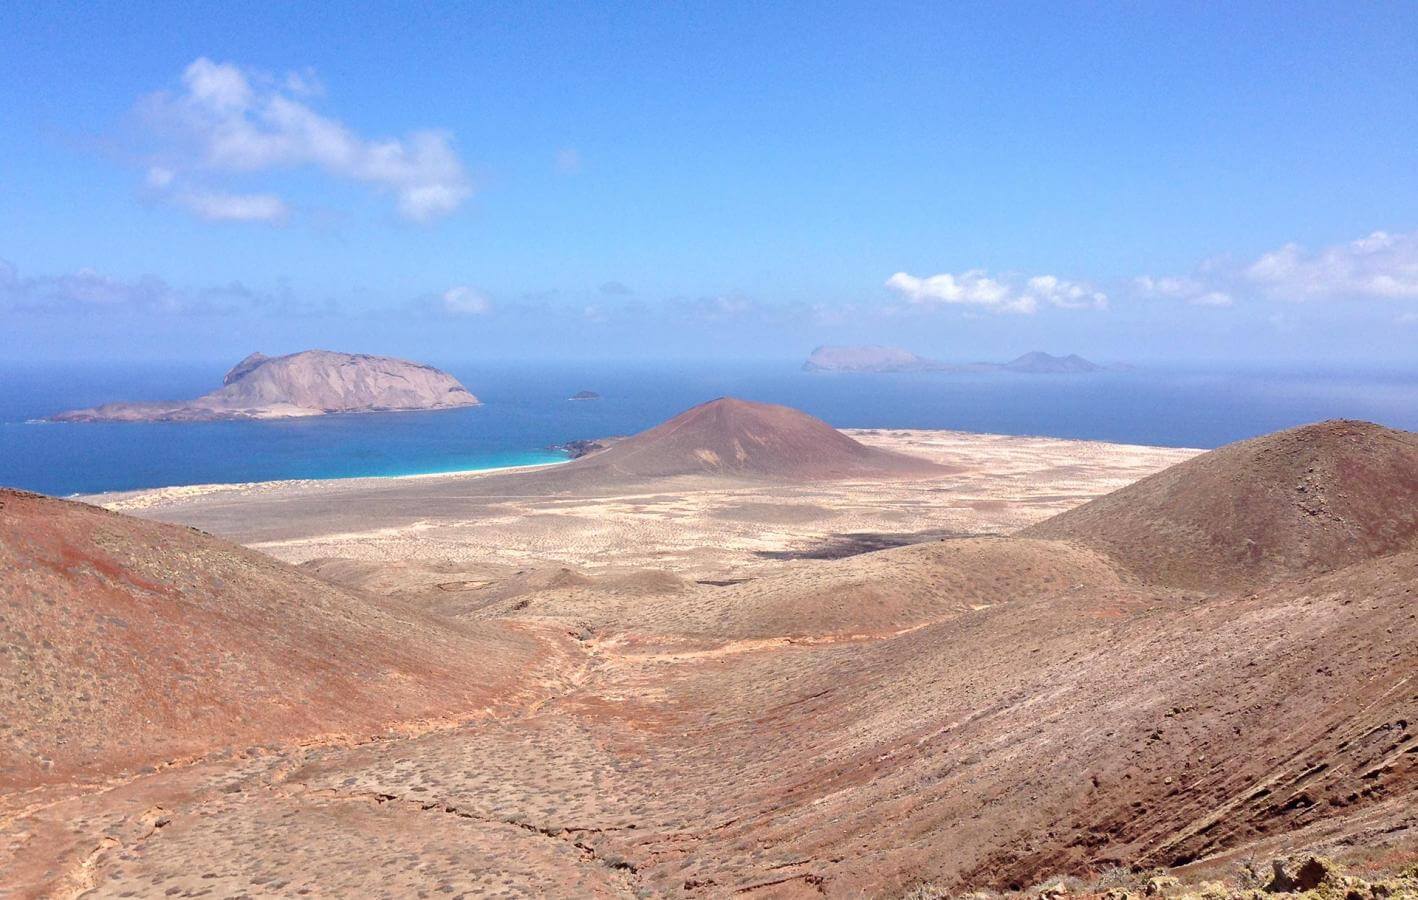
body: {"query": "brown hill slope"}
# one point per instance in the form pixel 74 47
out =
pixel 1022 712
pixel 129 642
pixel 1059 733
pixel 1296 502
pixel 729 436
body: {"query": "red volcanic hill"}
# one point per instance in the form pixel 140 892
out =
pixel 1295 502
pixel 738 437
pixel 128 642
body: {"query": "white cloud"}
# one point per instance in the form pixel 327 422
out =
pixel 462 300
pixel 1191 290
pixel 1167 286
pixel 305 83
pixel 234 120
pixel 1066 294
pixel 1005 293
pixel 1408 318
pixel 215 206
pixel 973 288
pixel 1379 266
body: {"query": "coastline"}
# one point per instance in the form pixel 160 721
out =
pixel 928 442
pixel 143 498
pixel 697 526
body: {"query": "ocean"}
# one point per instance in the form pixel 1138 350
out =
pixel 526 410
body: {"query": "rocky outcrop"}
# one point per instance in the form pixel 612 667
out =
pixel 312 383
pixel 581 447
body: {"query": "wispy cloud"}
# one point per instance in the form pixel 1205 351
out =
pixel 718 308
pixel 86 291
pixel 89 292
pixel 1190 290
pixel 463 300
pixel 228 120
pixel 1002 293
pixel 216 206
pixel 1381 266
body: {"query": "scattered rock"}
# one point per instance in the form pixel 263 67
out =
pixel 579 448
pixel 1304 873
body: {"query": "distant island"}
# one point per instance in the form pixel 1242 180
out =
pixel 585 395
pixel 870 358
pixel 875 358
pixel 1040 363
pixel 311 383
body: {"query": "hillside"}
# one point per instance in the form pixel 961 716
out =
pixel 311 383
pixel 959 714
pixel 1296 502
pixel 736 437
pixel 131 642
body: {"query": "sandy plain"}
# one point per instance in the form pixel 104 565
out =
pixel 703 528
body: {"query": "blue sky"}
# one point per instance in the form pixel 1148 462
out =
pixel 465 181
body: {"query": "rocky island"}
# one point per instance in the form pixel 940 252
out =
pixel 1040 363
pixel 311 383
pixel 585 395
pixel 871 358
pixel 876 358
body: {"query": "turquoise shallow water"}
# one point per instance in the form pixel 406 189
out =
pixel 526 410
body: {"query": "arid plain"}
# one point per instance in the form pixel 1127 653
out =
pixel 707 525
pixel 740 653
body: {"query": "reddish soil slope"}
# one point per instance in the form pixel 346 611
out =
pixel 737 437
pixel 1291 503
pixel 969 713
pixel 128 642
